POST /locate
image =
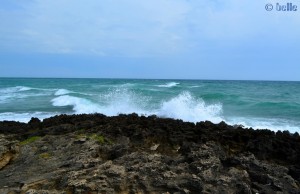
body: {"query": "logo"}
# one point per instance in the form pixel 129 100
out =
pixel 269 7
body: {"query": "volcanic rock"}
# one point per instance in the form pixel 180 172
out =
pixel 136 154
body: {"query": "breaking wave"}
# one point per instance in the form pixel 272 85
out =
pixel 170 100
pixel 189 108
pixel 15 89
pixel 169 85
pixel 184 106
pixel 79 105
pixel 9 94
pixel 60 92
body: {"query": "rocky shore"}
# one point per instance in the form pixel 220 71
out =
pixel 136 154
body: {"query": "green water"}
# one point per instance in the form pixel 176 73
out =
pixel 257 104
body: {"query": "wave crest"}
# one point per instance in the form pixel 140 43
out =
pixel 169 85
pixel 61 92
pixel 188 108
pixel 15 89
pixel 184 106
pixel 80 105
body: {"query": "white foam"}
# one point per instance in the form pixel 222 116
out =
pixel 189 108
pixel 123 101
pixel 183 106
pixel 126 85
pixel 61 92
pixel 112 103
pixel 169 85
pixel 264 123
pixel 14 89
pixel 18 92
pixel 24 117
pixel 23 88
pixel 80 105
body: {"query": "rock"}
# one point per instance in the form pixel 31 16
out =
pixel 154 147
pixel 8 151
pixel 131 154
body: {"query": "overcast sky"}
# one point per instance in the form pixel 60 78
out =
pixel 184 39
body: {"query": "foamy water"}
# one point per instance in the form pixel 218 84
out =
pixel 169 85
pixel 260 105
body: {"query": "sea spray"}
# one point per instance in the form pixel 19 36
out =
pixel 184 106
pixel 124 101
pixel 79 105
pixel 257 104
pixel 189 108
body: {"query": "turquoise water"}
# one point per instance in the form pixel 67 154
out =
pixel 257 104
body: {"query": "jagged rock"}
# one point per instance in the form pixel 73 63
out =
pixel 8 151
pixel 131 154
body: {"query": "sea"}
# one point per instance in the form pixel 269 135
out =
pixel 271 105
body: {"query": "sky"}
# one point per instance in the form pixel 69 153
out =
pixel 160 39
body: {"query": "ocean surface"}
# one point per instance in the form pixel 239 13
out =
pixel 256 104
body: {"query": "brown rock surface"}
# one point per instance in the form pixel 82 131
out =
pixel 131 154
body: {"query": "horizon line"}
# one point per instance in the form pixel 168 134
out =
pixel 183 79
